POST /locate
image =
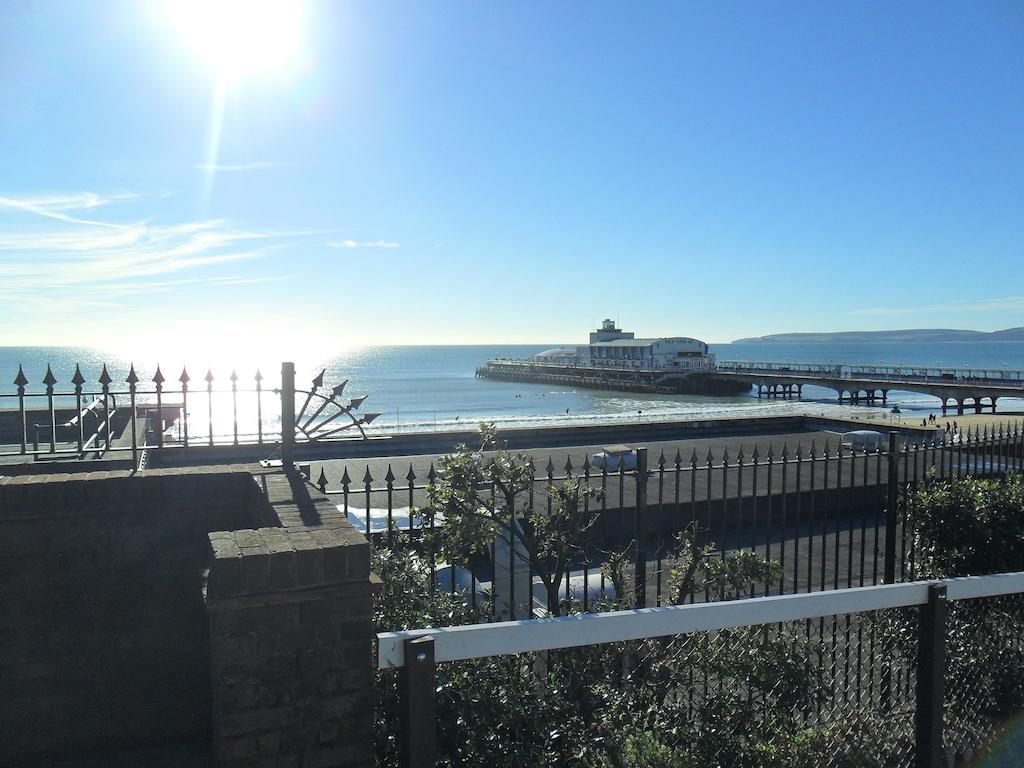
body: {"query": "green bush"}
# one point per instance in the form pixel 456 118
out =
pixel 969 527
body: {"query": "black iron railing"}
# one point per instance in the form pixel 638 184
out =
pixel 83 419
pixel 832 516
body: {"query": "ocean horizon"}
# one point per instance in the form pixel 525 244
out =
pixel 418 388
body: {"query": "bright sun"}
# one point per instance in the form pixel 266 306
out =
pixel 241 37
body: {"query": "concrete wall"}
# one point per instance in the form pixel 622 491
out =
pixel 103 625
pixel 413 443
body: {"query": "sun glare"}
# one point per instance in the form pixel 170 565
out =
pixel 241 37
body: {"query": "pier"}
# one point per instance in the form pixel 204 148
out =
pixel 956 387
pixel 638 378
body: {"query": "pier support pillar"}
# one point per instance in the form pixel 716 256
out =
pixel 959 407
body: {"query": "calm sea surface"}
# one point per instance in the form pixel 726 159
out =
pixel 419 388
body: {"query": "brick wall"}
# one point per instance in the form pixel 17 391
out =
pixel 103 627
pixel 291 648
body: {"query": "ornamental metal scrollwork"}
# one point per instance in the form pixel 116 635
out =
pixel 306 423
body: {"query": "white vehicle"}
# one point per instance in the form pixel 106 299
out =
pixel 616 456
pixel 864 440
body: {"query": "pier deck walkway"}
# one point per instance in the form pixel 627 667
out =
pixel 977 388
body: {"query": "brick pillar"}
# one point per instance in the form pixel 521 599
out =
pixel 291 648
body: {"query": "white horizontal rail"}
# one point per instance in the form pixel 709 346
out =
pixel 473 641
pixel 969 587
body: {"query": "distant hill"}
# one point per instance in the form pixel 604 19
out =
pixel 912 334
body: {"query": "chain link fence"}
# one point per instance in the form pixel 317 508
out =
pixel 837 691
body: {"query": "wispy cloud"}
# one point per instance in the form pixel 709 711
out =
pixel 260 165
pixel 369 244
pixel 57 206
pixel 1003 304
pixel 100 261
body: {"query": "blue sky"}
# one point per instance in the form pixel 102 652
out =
pixel 483 172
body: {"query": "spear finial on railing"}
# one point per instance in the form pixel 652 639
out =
pixel 78 379
pixel 346 481
pixel 814 452
pixel 49 379
pixel 184 378
pixel 105 378
pixel 661 461
pixel 389 478
pixel 431 474
pixel 258 377
pixel 756 455
pixel 693 459
pixel 367 477
pixel 321 482
pixel 158 377
pixel 568 465
pixel 411 475
pixel 133 378
pixel 208 378
pixel 20 380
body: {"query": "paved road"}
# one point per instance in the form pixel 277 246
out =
pixel 378 467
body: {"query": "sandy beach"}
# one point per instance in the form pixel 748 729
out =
pixel 971 421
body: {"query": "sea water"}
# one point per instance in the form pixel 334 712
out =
pixel 435 387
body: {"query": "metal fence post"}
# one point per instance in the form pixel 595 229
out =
pixel 417 739
pixel 931 668
pixel 892 499
pixel 640 530
pixel 287 412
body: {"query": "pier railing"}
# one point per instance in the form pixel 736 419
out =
pixel 924 374
pixel 70 417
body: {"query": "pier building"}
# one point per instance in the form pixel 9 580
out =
pixel 616 359
pixel 611 347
